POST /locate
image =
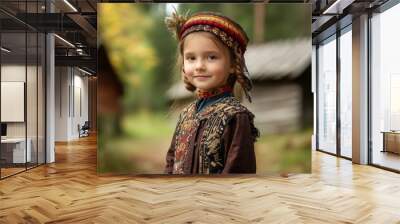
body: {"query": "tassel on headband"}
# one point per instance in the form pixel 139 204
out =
pixel 175 22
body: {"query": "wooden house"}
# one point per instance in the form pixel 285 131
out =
pixel 281 76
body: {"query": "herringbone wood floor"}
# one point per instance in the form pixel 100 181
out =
pixel 69 191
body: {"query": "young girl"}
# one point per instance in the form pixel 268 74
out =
pixel 215 134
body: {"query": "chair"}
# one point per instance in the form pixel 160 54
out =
pixel 84 130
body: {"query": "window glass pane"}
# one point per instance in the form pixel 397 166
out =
pixel 385 88
pixel 345 94
pixel 31 96
pixel 23 86
pixel 14 150
pixel 41 97
pixel 327 96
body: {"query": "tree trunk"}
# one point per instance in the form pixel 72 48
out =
pixel 259 22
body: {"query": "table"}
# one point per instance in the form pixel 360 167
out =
pixel 15 148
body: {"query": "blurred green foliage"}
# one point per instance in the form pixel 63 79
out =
pixel 143 52
pixel 285 152
pixel 147 125
pixel 283 20
pixel 124 30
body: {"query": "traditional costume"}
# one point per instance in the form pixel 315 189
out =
pixel 216 133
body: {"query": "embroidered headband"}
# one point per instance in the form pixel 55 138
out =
pixel 229 32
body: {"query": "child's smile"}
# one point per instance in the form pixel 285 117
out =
pixel 206 61
pixel 201 77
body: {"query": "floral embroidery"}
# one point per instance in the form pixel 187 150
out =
pixel 216 117
pixel 186 128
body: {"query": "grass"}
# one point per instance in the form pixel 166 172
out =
pixel 284 152
pixel 144 125
pixel 143 148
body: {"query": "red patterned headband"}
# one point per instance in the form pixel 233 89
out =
pixel 209 20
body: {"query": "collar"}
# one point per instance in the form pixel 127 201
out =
pixel 202 94
pixel 202 103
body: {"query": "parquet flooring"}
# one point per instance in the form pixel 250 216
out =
pixel 10 171
pixel 70 191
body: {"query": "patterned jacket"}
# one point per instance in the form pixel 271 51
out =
pixel 218 139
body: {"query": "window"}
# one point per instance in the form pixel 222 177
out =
pixel 346 92
pixel 385 88
pixel 22 68
pixel 327 95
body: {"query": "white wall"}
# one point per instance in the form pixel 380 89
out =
pixel 33 126
pixel 62 80
pixel 71 94
pixel 12 73
pixel 50 95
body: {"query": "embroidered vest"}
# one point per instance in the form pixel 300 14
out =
pixel 216 117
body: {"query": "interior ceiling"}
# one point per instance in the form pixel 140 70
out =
pixel 59 5
pixel 319 6
pixel 78 28
pixel 323 23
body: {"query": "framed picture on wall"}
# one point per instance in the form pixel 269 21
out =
pixel 12 101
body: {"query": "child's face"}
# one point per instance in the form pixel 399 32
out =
pixel 206 61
